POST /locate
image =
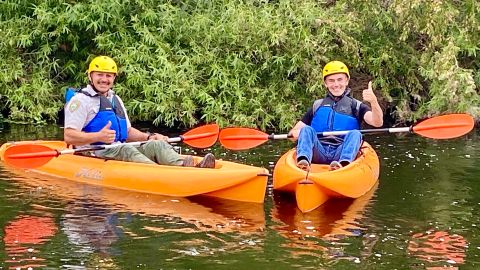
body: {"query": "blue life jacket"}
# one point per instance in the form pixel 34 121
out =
pixel 331 115
pixel 107 112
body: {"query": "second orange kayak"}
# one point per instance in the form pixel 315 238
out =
pixel 316 187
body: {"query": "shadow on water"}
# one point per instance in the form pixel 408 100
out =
pixel 94 219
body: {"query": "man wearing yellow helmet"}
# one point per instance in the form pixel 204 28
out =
pixel 96 115
pixel 336 111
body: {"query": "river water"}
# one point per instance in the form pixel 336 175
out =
pixel 423 214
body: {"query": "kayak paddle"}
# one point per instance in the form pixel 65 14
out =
pixel 32 155
pixel 439 127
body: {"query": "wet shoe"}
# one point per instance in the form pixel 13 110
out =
pixel 303 164
pixel 335 165
pixel 188 162
pixel 208 161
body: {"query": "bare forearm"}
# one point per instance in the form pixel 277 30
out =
pixel 135 135
pixel 76 137
pixel 295 131
pixel 377 115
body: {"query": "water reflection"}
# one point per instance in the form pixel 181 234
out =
pixel 24 237
pixel 318 230
pixel 207 213
pixel 98 222
pixel 422 216
pixel 91 227
pixel 16 132
pixel 438 248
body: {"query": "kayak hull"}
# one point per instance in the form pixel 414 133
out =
pixel 314 188
pixel 331 221
pixel 228 180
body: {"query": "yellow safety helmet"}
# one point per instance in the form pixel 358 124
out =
pixel 103 64
pixel 335 67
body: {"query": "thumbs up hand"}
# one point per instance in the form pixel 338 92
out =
pixel 106 134
pixel 369 95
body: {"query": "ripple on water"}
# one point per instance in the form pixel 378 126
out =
pixel 422 216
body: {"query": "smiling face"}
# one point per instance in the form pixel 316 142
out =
pixel 102 81
pixel 337 83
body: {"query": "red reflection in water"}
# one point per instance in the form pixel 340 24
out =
pixel 22 238
pixel 438 246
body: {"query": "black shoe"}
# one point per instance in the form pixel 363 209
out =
pixel 208 161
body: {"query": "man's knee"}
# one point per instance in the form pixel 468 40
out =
pixel 128 147
pixel 158 145
pixel 355 134
pixel 308 130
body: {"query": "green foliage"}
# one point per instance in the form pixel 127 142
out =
pixel 250 63
pixel 452 87
pixel 420 53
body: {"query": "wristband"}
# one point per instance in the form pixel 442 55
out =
pixel 150 135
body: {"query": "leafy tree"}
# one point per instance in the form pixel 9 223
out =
pixel 250 62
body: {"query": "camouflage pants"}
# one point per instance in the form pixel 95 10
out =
pixel 151 152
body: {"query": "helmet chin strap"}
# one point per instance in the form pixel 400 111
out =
pixel 94 88
pixel 91 84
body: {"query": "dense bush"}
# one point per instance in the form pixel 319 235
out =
pixel 249 63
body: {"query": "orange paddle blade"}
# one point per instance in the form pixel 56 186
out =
pixel 242 138
pixel 201 137
pixel 29 156
pixel 445 126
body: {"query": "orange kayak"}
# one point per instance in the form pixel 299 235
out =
pixel 313 189
pixel 228 180
pixel 204 213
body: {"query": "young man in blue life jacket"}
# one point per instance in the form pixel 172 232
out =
pixel 96 115
pixel 336 111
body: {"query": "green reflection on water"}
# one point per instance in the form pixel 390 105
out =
pixel 427 197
